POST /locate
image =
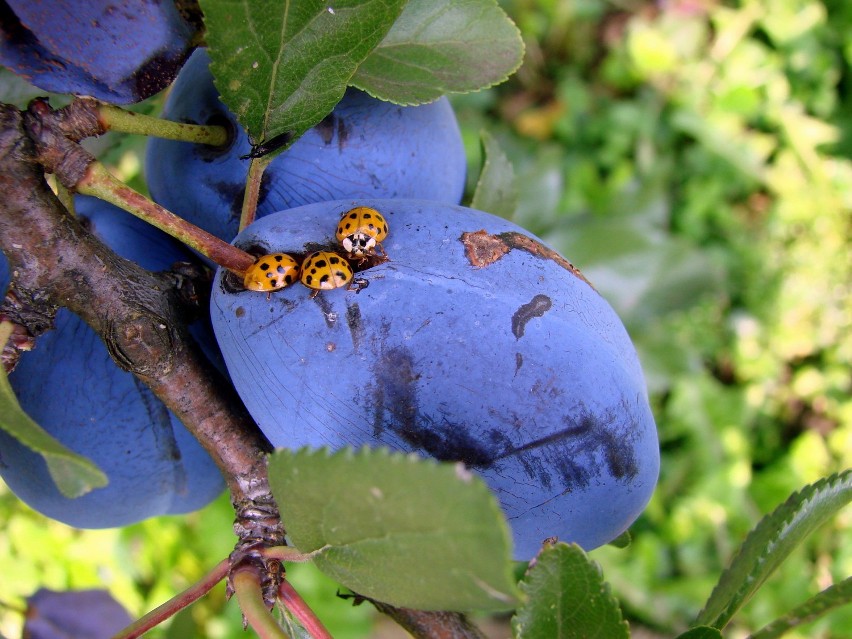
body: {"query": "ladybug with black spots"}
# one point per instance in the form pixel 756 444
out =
pixel 324 271
pixel 361 231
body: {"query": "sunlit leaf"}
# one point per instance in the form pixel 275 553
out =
pixel 442 46
pixel 567 598
pixel 397 528
pixel 282 66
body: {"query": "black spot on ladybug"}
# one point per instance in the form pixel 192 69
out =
pixel 319 264
pixel 277 258
pixel 263 266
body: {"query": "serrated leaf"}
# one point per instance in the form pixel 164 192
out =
pixel 397 528
pixel 701 632
pixel 73 474
pixel 281 67
pixel 495 190
pixel 442 46
pixel 567 598
pixel 814 608
pixel 771 541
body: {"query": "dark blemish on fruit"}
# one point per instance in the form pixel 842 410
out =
pixel 356 327
pixel 325 128
pixel 230 192
pixel 164 435
pixel 395 394
pixel 240 311
pixel 327 311
pixel 483 249
pixel 156 73
pixel 519 361
pixel 342 134
pixel 536 307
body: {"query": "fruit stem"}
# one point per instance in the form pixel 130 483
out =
pixel 302 611
pixel 99 182
pixel 250 597
pixel 288 553
pixel 177 603
pixel 113 118
pixel 255 173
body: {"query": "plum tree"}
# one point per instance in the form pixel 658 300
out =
pixel 70 385
pixel 364 148
pixel 96 48
pixel 474 342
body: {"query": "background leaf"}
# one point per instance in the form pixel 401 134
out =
pixel 495 190
pixel 837 595
pixel 397 528
pixel 282 66
pixel 771 541
pixel 73 474
pixel 701 632
pixel 567 598
pixel 442 46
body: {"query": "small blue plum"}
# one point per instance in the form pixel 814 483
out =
pixel 71 387
pixel 364 148
pixel 471 341
pixel 119 53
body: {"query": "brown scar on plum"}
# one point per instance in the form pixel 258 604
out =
pixel 483 249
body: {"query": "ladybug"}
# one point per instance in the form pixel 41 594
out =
pixel 271 272
pixel 361 230
pixel 323 270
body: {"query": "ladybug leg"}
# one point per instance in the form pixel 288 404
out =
pixel 314 293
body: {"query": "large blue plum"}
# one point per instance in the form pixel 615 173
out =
pixel 71 387
pixel 474 342
pixel 120 53
pixel 365 148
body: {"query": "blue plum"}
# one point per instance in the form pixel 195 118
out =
pixel 365 148
pixel 475 342
pixel 120 53
pixel 71 387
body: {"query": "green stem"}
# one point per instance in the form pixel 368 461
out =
pixel 250 597
pixel 115 118
pixel 256 168
pixel 288 553
pixel 177 603
pixel 102 184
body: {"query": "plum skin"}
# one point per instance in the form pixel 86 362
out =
pixel 71 387
pixel 116 54
pixel 365 148
pixel 475 342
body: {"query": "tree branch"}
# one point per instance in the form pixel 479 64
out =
pixel 138 314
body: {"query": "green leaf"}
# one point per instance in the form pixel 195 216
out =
pixel 701 632
pixel 622 541
pixel 814 608
pixel 495 190
pixel 769 543
pixel 73 474
pixel 397 528
pixel 281 67
pixel 567 598
pixel 442 46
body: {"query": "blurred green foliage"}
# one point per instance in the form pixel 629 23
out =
pixel 694 159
